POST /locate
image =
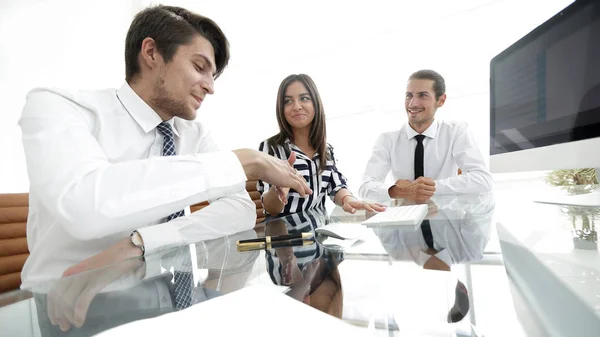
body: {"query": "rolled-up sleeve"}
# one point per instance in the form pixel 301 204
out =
pixel 338 180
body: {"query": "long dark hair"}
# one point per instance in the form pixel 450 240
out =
pixel 318 131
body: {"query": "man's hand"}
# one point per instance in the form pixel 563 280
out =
pixel 420 190
pixel 70 298
pixel 260 166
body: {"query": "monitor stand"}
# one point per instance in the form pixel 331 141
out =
pixel 584 200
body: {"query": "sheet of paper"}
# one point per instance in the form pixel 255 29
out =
pixel 252 311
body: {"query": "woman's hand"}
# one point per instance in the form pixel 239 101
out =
pixel 351 204
pixel 282 193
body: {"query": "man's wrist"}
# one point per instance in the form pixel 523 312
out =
pixel 397 191
pixel 394 191
pixel 391 191
pixel 405 189
pixel 249 161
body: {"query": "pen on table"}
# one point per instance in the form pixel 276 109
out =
pixel 263 245
pixel 268 239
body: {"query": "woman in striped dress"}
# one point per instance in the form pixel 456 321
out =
pixel 302 141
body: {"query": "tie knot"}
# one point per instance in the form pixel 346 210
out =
pixel 165 129
pixel 420 138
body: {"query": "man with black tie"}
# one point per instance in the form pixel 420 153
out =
pixel 425 154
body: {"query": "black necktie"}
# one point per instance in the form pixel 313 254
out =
pixel 420 172
pixel 419 155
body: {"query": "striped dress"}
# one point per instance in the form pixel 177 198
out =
pixel 327 183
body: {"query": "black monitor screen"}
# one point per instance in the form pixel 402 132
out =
pixel 545 88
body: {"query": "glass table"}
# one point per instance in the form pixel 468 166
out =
pixel 386 282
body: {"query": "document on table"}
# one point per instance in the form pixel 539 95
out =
pixel 254 311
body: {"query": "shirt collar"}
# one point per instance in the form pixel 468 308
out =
pixel 290 145
pixel 293 146
pixel 431 131
pixel 141 112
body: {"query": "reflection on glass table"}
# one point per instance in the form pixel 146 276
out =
pixel 390 281
pixel 551 256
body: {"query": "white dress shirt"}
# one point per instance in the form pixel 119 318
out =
pixel 96 173
pixel 448 146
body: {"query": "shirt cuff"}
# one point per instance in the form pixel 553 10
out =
pixel 337 189
pixel 160 237
pixel 153 263
pixel 384 193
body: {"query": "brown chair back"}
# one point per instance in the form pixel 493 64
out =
pixel 13 239
pixel 254 195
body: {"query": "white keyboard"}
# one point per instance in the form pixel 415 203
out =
pixel 410 215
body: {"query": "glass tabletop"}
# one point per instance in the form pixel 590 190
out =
pixel 386 280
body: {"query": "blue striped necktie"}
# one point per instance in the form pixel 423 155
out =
pixel 166 131
pixel 182 280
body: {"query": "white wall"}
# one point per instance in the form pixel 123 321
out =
pixel 61 43
pixel 359 56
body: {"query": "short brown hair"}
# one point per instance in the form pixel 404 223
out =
pixel 171 27
pixel 439 85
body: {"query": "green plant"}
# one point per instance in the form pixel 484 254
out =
pixel 576 181
pixel 587 229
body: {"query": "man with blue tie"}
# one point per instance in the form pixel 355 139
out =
pixel 112 172
pixel 425 155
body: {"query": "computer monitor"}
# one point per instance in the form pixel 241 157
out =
pixel 545 97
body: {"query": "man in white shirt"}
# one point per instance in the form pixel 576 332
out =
pixel 108 169
pixel 425 154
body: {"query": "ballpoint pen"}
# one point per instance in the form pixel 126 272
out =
pixel 263 245
pixel 269 239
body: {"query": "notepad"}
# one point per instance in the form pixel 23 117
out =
pixel 253 311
